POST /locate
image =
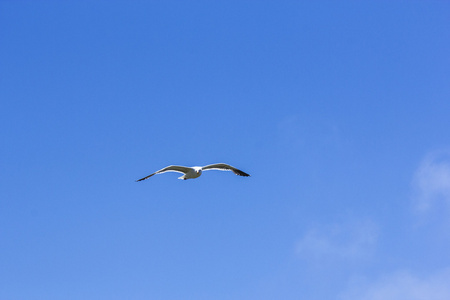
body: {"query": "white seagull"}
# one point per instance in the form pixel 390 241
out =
pixel 194 172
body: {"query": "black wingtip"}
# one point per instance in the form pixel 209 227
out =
pixel 241 173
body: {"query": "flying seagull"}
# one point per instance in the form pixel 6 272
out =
pixel 195 172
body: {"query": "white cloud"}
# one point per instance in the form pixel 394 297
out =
pixel 341 241
pixel 432 181
pixel 403 286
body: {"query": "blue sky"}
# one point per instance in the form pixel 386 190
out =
pixel 339 111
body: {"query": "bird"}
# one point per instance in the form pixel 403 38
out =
pixel 195 172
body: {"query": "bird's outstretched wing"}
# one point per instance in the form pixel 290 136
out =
pixel 225 167
pixel 178 169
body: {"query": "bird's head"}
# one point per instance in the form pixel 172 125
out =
pixel 198 170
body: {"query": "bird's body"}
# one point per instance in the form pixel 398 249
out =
pixel 195 172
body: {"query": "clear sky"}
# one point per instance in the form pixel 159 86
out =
pixel 340 111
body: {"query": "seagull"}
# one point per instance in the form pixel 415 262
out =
pixel 195 172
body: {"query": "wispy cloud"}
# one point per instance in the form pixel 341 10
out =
pixel 432 181
pixel 403 286
pixel 354 240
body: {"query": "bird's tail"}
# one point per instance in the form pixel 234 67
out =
pixel 182 177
